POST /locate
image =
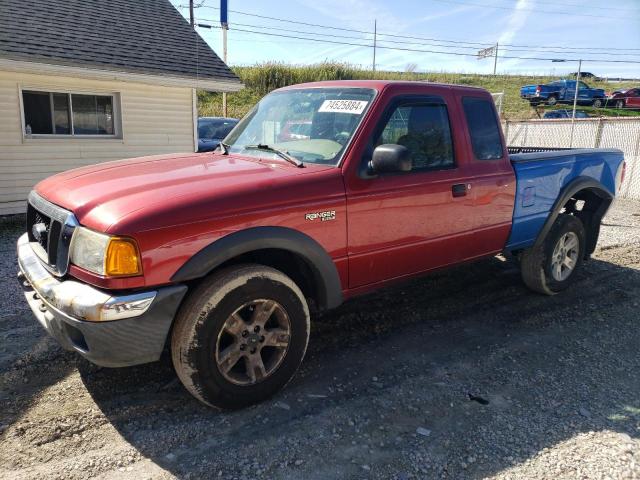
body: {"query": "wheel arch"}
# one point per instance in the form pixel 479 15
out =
pixel 294 253
pixel 597 200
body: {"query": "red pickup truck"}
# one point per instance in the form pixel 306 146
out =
pixel 225 257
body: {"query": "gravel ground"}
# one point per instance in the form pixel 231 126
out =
pixel 463 374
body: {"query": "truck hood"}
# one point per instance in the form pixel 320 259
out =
pixel 101 195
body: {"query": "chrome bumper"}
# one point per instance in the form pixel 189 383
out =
pixel 74 299
pixel 109 330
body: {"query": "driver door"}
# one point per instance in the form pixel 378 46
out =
pixel 408 222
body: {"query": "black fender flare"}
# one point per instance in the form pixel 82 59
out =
pixel 260 238
pixel 569 190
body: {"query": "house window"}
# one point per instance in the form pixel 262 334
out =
pixel 72 114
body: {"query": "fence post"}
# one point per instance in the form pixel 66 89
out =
pixel 506 132
pixel 598 140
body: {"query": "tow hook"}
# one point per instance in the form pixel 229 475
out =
pixel 23 281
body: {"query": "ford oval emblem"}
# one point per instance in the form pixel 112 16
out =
pixel 37 230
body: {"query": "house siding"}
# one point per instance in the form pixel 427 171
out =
pixel 155 120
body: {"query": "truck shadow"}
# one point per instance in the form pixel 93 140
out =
pixel 490 372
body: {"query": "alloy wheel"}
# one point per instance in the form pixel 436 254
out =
pixel 253 342
pixel 565 256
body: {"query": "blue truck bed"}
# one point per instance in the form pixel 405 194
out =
pixel 545 178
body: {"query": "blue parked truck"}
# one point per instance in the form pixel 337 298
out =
pixel 563 91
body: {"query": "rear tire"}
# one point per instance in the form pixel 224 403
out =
pixel 551 267
pixel 240 336
pixel 619 103
pixel 552 100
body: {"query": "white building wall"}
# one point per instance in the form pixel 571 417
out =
pixel 154 120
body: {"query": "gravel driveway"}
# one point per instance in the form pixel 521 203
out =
pixel 464 374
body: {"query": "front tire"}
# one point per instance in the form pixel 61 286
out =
pixel 551 267
pixel 598 103
pixel 619 103
pixel 240 336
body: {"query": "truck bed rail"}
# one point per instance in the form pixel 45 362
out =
pixel 514 150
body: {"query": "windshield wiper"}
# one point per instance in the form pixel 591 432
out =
pixel 224 147
pixel 280 153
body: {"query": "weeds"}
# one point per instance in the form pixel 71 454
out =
pixel 263 78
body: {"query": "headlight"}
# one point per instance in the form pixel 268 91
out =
pixel 105 255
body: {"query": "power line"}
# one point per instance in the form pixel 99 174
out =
pixel 414 37
pixel 591 7
pixel 424 51
pixel 581 5
pixel 532 10
pixel 421 42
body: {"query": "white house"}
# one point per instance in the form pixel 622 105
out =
pixel 86 81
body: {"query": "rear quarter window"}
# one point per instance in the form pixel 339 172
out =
pixel 483 128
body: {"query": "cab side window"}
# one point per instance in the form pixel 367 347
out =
pixel 483 128
pixel 424 129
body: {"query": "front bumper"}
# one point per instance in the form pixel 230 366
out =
pixel 108 330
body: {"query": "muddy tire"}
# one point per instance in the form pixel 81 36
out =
pixel 551 267
pixel 240 336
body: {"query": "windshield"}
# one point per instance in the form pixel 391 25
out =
pixel 313 125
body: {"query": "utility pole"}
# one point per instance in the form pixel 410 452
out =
pixel 225 27
pixel 487 52
pixel 375 38
pixel 224 23
pixel 575 102
pixel 192 20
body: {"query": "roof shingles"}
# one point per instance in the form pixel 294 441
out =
pixel 140 36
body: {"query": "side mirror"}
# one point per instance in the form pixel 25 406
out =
pixel 390 158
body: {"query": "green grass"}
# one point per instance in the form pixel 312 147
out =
pixel 261 79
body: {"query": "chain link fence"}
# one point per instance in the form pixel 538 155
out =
pixel 621 133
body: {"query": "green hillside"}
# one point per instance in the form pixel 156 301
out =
pixel 261 79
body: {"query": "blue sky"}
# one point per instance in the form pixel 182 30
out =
pixel 526 24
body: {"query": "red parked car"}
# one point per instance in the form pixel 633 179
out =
pixel 629 98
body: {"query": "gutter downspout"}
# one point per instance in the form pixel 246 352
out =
pixel 194 115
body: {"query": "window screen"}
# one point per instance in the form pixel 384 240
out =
pixel 47 113
pixel 424 130
pixel 483 128
pixel 37 113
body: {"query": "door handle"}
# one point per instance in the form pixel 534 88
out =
pixel 459 189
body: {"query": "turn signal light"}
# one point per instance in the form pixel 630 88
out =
pixel 123 258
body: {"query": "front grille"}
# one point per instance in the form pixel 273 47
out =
pixel 50 228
